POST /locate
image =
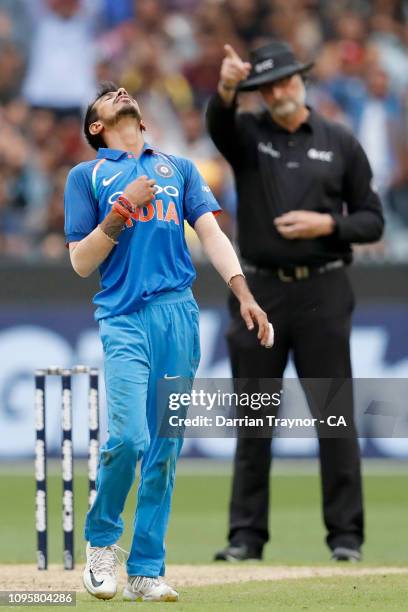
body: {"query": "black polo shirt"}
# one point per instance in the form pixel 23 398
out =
pixel 320 167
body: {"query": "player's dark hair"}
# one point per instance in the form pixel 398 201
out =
pixel 91 115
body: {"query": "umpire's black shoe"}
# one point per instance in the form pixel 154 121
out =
pixel 343 553
pixel 239 552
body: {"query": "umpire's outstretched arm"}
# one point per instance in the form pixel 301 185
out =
pixel 222 120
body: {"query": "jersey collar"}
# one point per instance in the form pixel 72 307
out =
pixel 308 125
pixel 115 154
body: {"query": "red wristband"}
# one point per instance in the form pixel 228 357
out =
pixel 126 203
pixel 123 212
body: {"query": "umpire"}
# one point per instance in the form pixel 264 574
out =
pixel 304 195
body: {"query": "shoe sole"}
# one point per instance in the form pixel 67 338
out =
pixel 346 554
pixel 98 595
pixel 129 596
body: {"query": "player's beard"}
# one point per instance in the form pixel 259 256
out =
pixel 125 110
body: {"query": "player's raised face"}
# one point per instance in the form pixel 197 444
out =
pixel 114 105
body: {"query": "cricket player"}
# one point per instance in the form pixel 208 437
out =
pixel 124 214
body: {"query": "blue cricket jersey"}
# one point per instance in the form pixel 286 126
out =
pixel 152 256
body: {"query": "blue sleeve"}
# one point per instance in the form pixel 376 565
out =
pixel 80 205
pixel 198 198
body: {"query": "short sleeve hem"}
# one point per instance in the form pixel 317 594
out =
pixel 199 211
pixel 76 237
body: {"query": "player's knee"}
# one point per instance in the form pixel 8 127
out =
pixel 130 447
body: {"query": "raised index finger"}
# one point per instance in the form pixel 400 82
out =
pixel 231 53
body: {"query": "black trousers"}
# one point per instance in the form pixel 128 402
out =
pixel 312 319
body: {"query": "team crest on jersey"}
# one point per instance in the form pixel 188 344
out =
pixel 163 170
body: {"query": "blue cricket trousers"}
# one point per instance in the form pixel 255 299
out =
pixel 160 339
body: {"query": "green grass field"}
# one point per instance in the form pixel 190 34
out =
pixel 341 594
pixel 198 526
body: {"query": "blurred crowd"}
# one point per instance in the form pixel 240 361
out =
pixel 167 53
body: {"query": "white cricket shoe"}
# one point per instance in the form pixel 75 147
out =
pixel 100 573
pixel 144 588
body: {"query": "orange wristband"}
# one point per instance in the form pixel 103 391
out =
pixel 121 210
pixel 126 203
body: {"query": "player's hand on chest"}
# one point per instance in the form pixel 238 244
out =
pixel 154 197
